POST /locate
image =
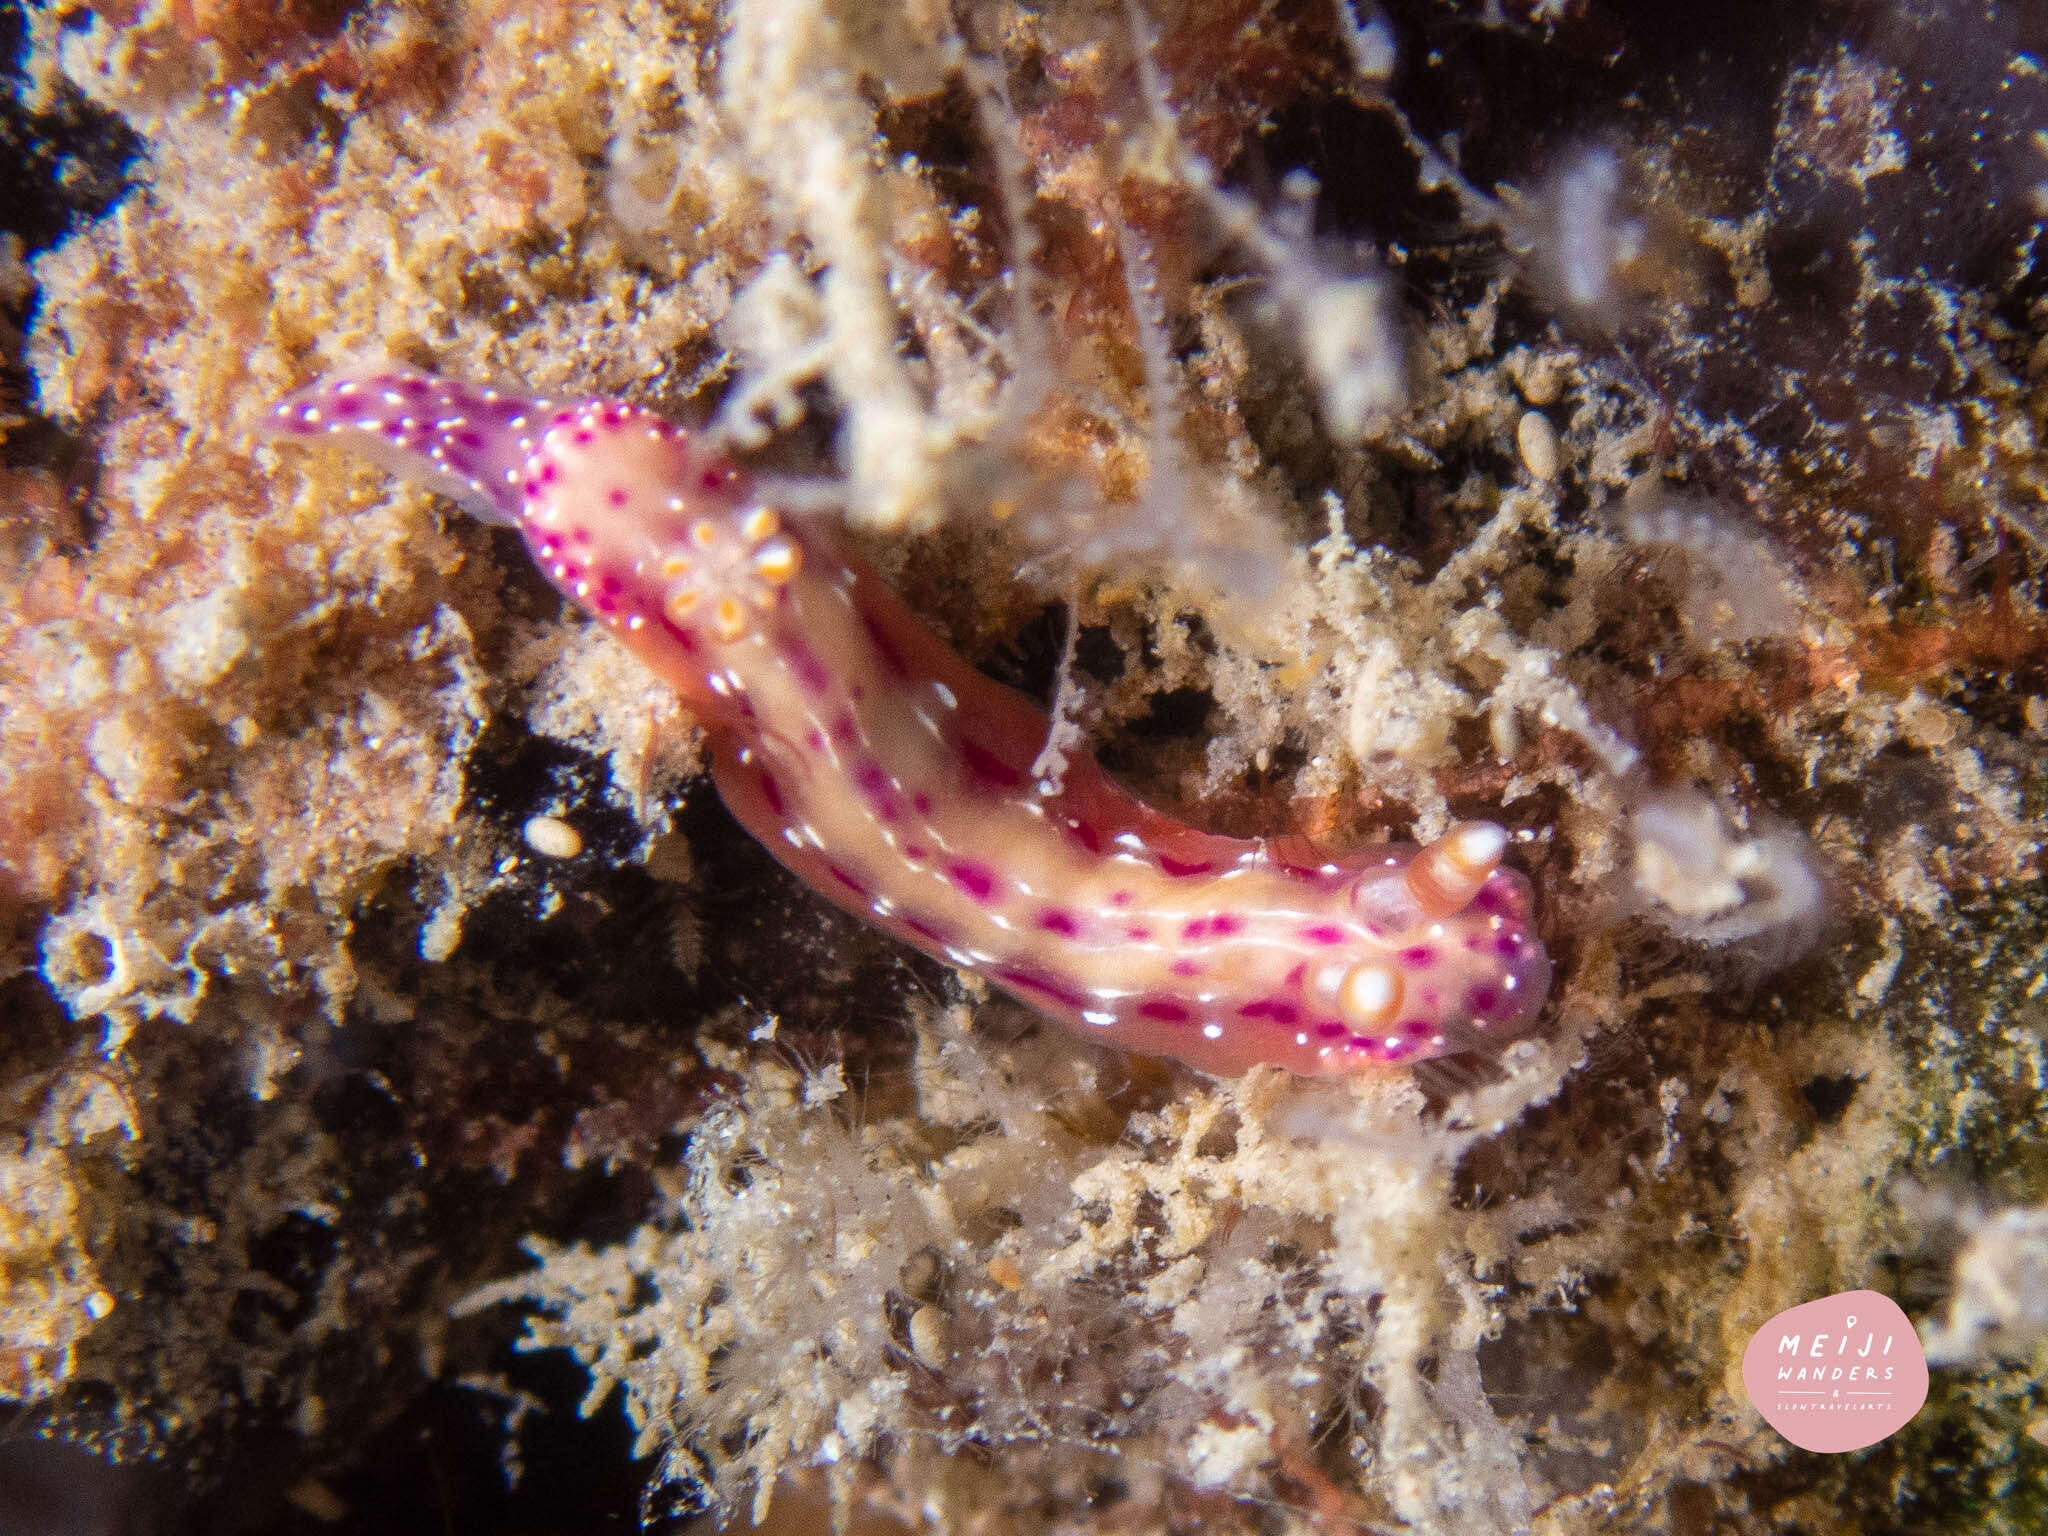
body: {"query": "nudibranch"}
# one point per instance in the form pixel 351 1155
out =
pixel 897 780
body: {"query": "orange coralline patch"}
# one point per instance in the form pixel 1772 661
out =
pixel 254 35
pixel 47 668
pixel 521 186
pixel 1100 160
pixel 1993 634
pixel 50 1292
pixel 1233 67
pixel 233 651
pixel 1890 654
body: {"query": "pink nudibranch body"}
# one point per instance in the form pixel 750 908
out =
pixel 896 779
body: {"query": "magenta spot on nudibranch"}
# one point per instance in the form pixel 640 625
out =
pixel 924 930
pixel 1087 836
pixel 873 781
pixel 1119 898
pixel 1223 925
pixel 973 878
pixel 987 767
pixel 1484 1000
pixel 814 739
pixel 549 473
pixel 1418 1028
pixel 1036 982
pixel 808 670
pixel 921 803
pixel 618 496
pixel 1330 1029
pixel 714 478
pixel 1163 1010
pixel 686 638
pixel 474 441
pixel 885 648
pixel 1418 954
pixel 1277 1009
pixel 772 793
pixel 917 853
pixel 1138 933
pixel 1194 928
pixel 1181 870
pixel 583 438
pixel 847 880
pixel 1323 933
pixel 1060 921
pixel 845 730
pixel 1509 944
pixel 1186 967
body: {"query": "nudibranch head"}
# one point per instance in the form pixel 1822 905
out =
pixel 1451 961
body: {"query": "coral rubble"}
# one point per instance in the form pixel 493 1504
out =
pixel 1616 422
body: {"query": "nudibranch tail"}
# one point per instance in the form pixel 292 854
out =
pixel 897 780
pixel 469 444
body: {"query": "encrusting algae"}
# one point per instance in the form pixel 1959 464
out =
pixel 1352 424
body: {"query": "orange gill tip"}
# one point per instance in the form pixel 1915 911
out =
pixel 1369 996
pixel 728 619
pixel 1444 877
pixel 777 561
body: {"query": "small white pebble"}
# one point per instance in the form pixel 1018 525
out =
pixel 1537 440
pixel 1542 382
pixel 553 837
pixel 928 1336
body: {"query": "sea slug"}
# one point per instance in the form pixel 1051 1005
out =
pixel 896 779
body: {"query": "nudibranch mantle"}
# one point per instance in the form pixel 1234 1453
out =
pixel 896 779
